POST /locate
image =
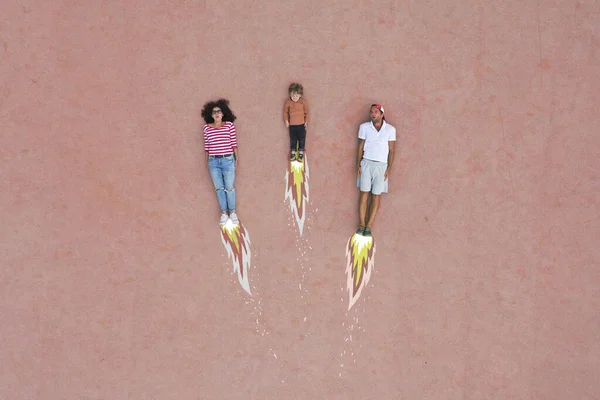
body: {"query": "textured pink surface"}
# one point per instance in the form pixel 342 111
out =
pixel 114 282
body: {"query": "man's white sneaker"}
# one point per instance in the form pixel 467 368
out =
pixel 234 218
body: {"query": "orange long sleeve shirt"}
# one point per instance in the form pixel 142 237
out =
pixel 296 113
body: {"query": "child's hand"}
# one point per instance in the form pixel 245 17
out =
pixel 287 124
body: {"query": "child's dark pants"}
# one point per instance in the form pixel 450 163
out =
pixel 297 134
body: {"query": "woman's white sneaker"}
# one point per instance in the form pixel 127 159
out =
pixel 224 219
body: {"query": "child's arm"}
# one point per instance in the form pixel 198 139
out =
pixel 306 113
pixel 286 113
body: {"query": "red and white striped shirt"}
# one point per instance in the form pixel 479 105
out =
pixel 220 141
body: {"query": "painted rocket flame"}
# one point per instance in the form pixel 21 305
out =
pixel 360 260
pixel 296 190
pixel 236 240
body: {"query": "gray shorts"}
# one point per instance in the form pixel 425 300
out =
pixel 372 177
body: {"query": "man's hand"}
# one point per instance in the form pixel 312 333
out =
pixel 359 154
pixel 287 124
pixel 392 147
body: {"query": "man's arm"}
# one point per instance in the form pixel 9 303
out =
pixel 359 153
pixel 392 145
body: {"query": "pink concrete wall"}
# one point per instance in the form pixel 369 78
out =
pixel 114 282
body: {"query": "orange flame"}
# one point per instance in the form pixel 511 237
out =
pixel 360 261
pixel 236 240
pixel 296 184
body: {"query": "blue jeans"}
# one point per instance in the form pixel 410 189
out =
pixel 222 172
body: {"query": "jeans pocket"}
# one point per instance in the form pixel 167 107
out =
pixel 228 163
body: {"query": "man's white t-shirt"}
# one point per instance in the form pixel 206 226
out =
pixel 376 143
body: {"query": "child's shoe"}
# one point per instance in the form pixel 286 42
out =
pixel 293 156
pixel 300 156
pixel 234 218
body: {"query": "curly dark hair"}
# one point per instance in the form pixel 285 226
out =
pixel 223 104
pixel 296 88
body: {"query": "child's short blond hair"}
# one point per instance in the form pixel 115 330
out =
pixel 296 88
